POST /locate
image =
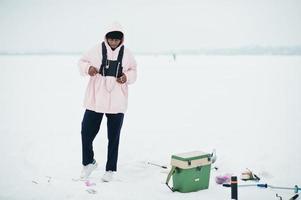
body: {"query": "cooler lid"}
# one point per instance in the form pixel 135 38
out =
pixel 193 155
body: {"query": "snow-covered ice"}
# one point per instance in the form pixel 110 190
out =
pixel 248 108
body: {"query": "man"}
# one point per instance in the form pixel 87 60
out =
pixel 111 68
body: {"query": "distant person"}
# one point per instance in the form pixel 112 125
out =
pixel 111 68
pixel 174 56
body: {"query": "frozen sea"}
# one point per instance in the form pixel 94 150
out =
pixel 248 108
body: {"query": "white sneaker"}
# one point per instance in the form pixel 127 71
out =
pixel 108 176
pixel 87 170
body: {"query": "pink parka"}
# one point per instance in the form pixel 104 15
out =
pixel 104 94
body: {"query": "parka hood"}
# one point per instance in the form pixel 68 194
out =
pixel 114 27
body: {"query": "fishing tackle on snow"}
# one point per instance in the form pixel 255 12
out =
pixel 296 189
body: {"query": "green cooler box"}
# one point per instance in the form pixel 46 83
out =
pixel 190 171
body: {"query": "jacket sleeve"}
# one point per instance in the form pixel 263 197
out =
pixel 86 61
pixel 131 72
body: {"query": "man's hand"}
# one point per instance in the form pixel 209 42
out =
pixel 92 71
pixel 122 79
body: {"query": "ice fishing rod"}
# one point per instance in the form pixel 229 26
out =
pixel 162 166
pixel 295 188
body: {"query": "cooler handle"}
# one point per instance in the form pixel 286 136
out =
pixel 171 172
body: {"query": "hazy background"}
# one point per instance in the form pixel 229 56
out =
pixel 36 26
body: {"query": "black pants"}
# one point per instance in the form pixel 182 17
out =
pixel 90 127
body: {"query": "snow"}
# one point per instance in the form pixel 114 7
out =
pixel 248 108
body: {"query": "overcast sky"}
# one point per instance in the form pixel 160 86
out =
pixel 150 25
